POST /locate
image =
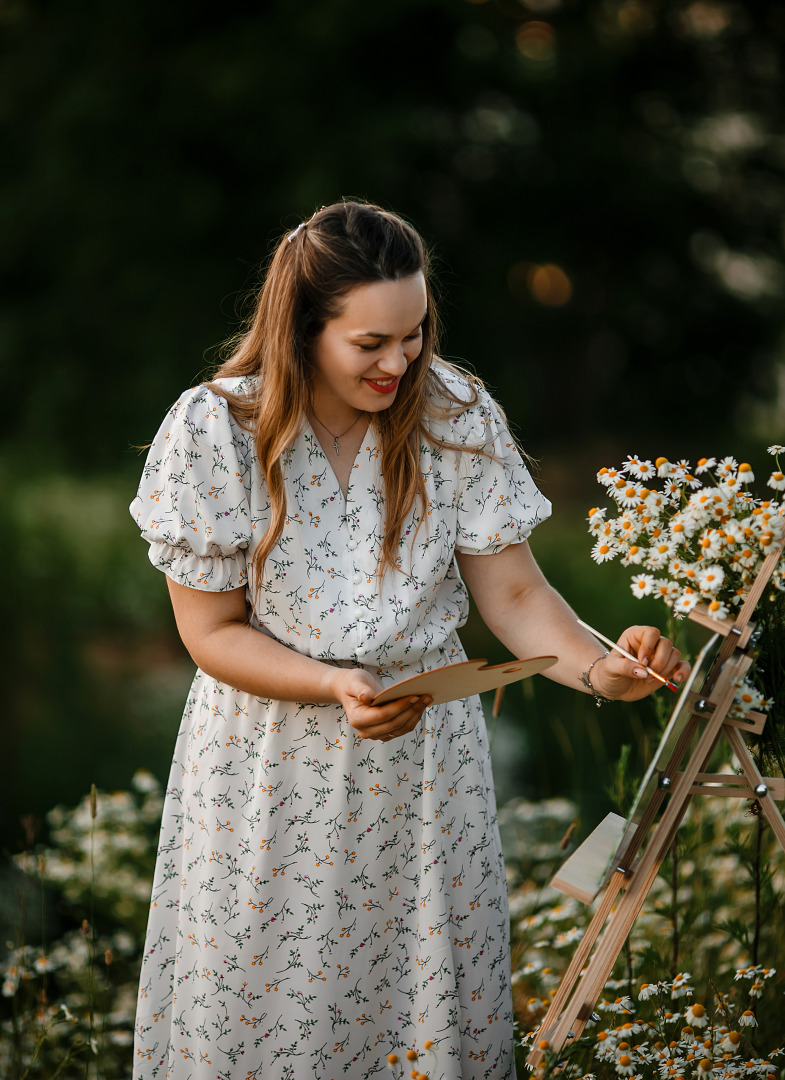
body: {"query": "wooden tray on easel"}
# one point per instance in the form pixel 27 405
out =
pixel 624 857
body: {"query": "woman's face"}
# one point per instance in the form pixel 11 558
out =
pixel 361 354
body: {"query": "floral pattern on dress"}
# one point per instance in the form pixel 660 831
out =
pixel 320 900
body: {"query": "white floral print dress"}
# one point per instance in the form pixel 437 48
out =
pixel 322 901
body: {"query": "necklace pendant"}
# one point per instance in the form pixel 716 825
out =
pixel 336 447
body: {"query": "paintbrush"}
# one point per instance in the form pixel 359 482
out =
pixel 635 660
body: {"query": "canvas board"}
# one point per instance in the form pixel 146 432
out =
pixel 674 728
pixel 585 872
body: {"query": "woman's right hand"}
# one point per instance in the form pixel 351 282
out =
pixel 356 688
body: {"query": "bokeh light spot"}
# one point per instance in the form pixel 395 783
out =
pixel 537 41
pixel 550 285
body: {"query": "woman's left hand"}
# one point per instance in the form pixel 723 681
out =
pixel 616 677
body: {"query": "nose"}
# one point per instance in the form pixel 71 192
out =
pixel 393 361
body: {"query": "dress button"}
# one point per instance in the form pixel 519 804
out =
pixel 357 578
pixel 352 544
pixel 360 650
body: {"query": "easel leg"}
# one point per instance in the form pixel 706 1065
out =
pixel 751 771
pixel 577 963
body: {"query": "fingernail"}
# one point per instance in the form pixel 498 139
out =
pixel 413 700
pixel 639 673
pixel 645 660
pixel 678 678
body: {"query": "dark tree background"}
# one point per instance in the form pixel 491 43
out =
pixel 602 181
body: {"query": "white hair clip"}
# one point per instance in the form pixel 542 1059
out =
pixel 292 235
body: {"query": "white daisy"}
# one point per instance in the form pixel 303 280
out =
pixel 775 449
pixel 656 502
pixel 749 697
pixel 710 579
pixel 665 467
pixel 729 485
pixel 624 1065
pixel 685 602
pixel 701 504
pixel 666 590
pixel 634 555
pixel 628 495
pixel 705 464
pixel 607 477
pixel 717 610
pixel 620 1005
pixel 681 528
pixel 746 475
pixel 710 543
pixel 639 468
pixel 642 584
pixel 676 566
pixel 777 481
pixel 597 514
pixel 604 550
pixel 728 466
pixel 734 533
pixel 747 1019
pixel 626 526
pixel 695 1014
pixel 681 985
pixel 731 1042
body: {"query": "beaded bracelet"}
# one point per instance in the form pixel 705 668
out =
pixel 586 680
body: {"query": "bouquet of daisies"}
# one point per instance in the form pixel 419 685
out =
pixel 697 535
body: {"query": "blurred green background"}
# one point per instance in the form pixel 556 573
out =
pixel 603 182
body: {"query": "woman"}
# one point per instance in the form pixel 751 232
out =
pixel 330 887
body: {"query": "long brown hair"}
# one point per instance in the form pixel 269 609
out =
pixel 311 271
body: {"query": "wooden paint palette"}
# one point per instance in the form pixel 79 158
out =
pixel 464 679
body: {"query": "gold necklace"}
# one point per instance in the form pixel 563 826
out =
pixel 335 438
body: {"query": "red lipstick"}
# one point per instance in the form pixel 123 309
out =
pixel 383 388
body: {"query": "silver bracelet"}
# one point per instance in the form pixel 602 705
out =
pixel 586 680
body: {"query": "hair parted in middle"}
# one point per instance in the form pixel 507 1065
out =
pixel 310 274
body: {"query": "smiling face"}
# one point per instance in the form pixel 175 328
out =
pixel 361 355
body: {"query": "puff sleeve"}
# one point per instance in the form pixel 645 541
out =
pixel 193 503
pixel 498 502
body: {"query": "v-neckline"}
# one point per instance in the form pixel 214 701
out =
pixel 329 463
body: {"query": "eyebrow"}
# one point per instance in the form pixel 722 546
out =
pixel 384 337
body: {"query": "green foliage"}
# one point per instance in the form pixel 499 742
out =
pixel 153 154
pixel 694 941
pixel 69 997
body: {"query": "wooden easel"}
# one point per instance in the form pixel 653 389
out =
pixel 634 850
